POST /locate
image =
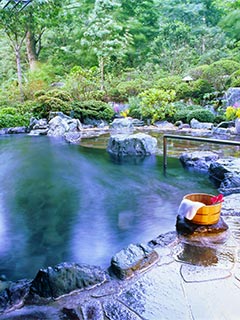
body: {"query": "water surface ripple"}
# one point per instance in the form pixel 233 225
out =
pixel 62 202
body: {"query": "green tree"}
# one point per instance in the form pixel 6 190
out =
pixel 105 35
pixel 12 24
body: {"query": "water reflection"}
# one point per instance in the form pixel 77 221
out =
pixel 62 202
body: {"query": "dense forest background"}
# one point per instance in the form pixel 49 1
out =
pixel 93 57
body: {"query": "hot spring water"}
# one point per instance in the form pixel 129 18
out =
pixel 62 202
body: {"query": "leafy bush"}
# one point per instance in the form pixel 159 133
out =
pixel 168 83
pixel 10 117
pixel 53 100
pixel 134 107
pixel 200 87
pixel 197 72
pixel 218 73
pixel 201 115
pixel 235 79
pixel 182 111
pixel 92 109
pixel 183 91
pixel 156 104
pixel 131 88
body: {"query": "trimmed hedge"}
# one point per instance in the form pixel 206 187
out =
pixel 92 109
pixel 201 115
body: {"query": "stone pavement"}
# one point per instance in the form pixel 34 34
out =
pixel 194 278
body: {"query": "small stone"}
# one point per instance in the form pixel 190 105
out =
pixel 131 259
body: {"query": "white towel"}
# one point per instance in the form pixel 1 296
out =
pixel 189 208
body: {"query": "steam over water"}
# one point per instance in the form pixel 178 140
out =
pixel 62 202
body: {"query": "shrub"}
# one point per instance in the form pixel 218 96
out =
pixel 131 88
pixel 134 107
pixel 200 87
pixel 182 111
pixel 10 117
pixel 53 100
pixel 183 91
pixel 92 109
pixel 235 79
pixel 181 115
pixel 157 104
pixel 218 73
pixel 168 83
pixel 201 115
pixel 197 73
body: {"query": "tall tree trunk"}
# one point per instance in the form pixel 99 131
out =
pixel 31 50
pixel 101 65
pixel 19 72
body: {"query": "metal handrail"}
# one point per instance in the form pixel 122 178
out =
pixel 190 138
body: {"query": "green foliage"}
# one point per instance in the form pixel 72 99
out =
pixel 197 72
pixel 134 107
pixel 10 117
pixel 157 104
pixel 182 111
pixel 131 88
pixel 168 83
pixel 218 73
pixel 84 82
pixel 230 23
pixel 53 100
pixel 92 109
pixel 201 115
pixel 235 79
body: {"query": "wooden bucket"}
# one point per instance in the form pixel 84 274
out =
pixel 208 214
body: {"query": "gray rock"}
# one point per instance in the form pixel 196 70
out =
pixel 198 160
pixel 38 132
pixel 122 125
pixel 17 130
pixel 13 296
pixel 195 124
pixel 66 277
pixel 232 96
pixel 3 131
pixel 133 258
pixel 138 144
pixel 62 124
pixel 38 124
pixel 73 137
pixel 225 173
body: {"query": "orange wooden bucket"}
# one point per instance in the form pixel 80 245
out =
pixel 208 214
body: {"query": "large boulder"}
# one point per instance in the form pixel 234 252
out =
pixel 198 160
pixel 122 125
pixel 38 127
pixel 225 173
pixel 139 144
pixel 66 277
pixel 195 124
pixel 62 124
pixel 232 96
